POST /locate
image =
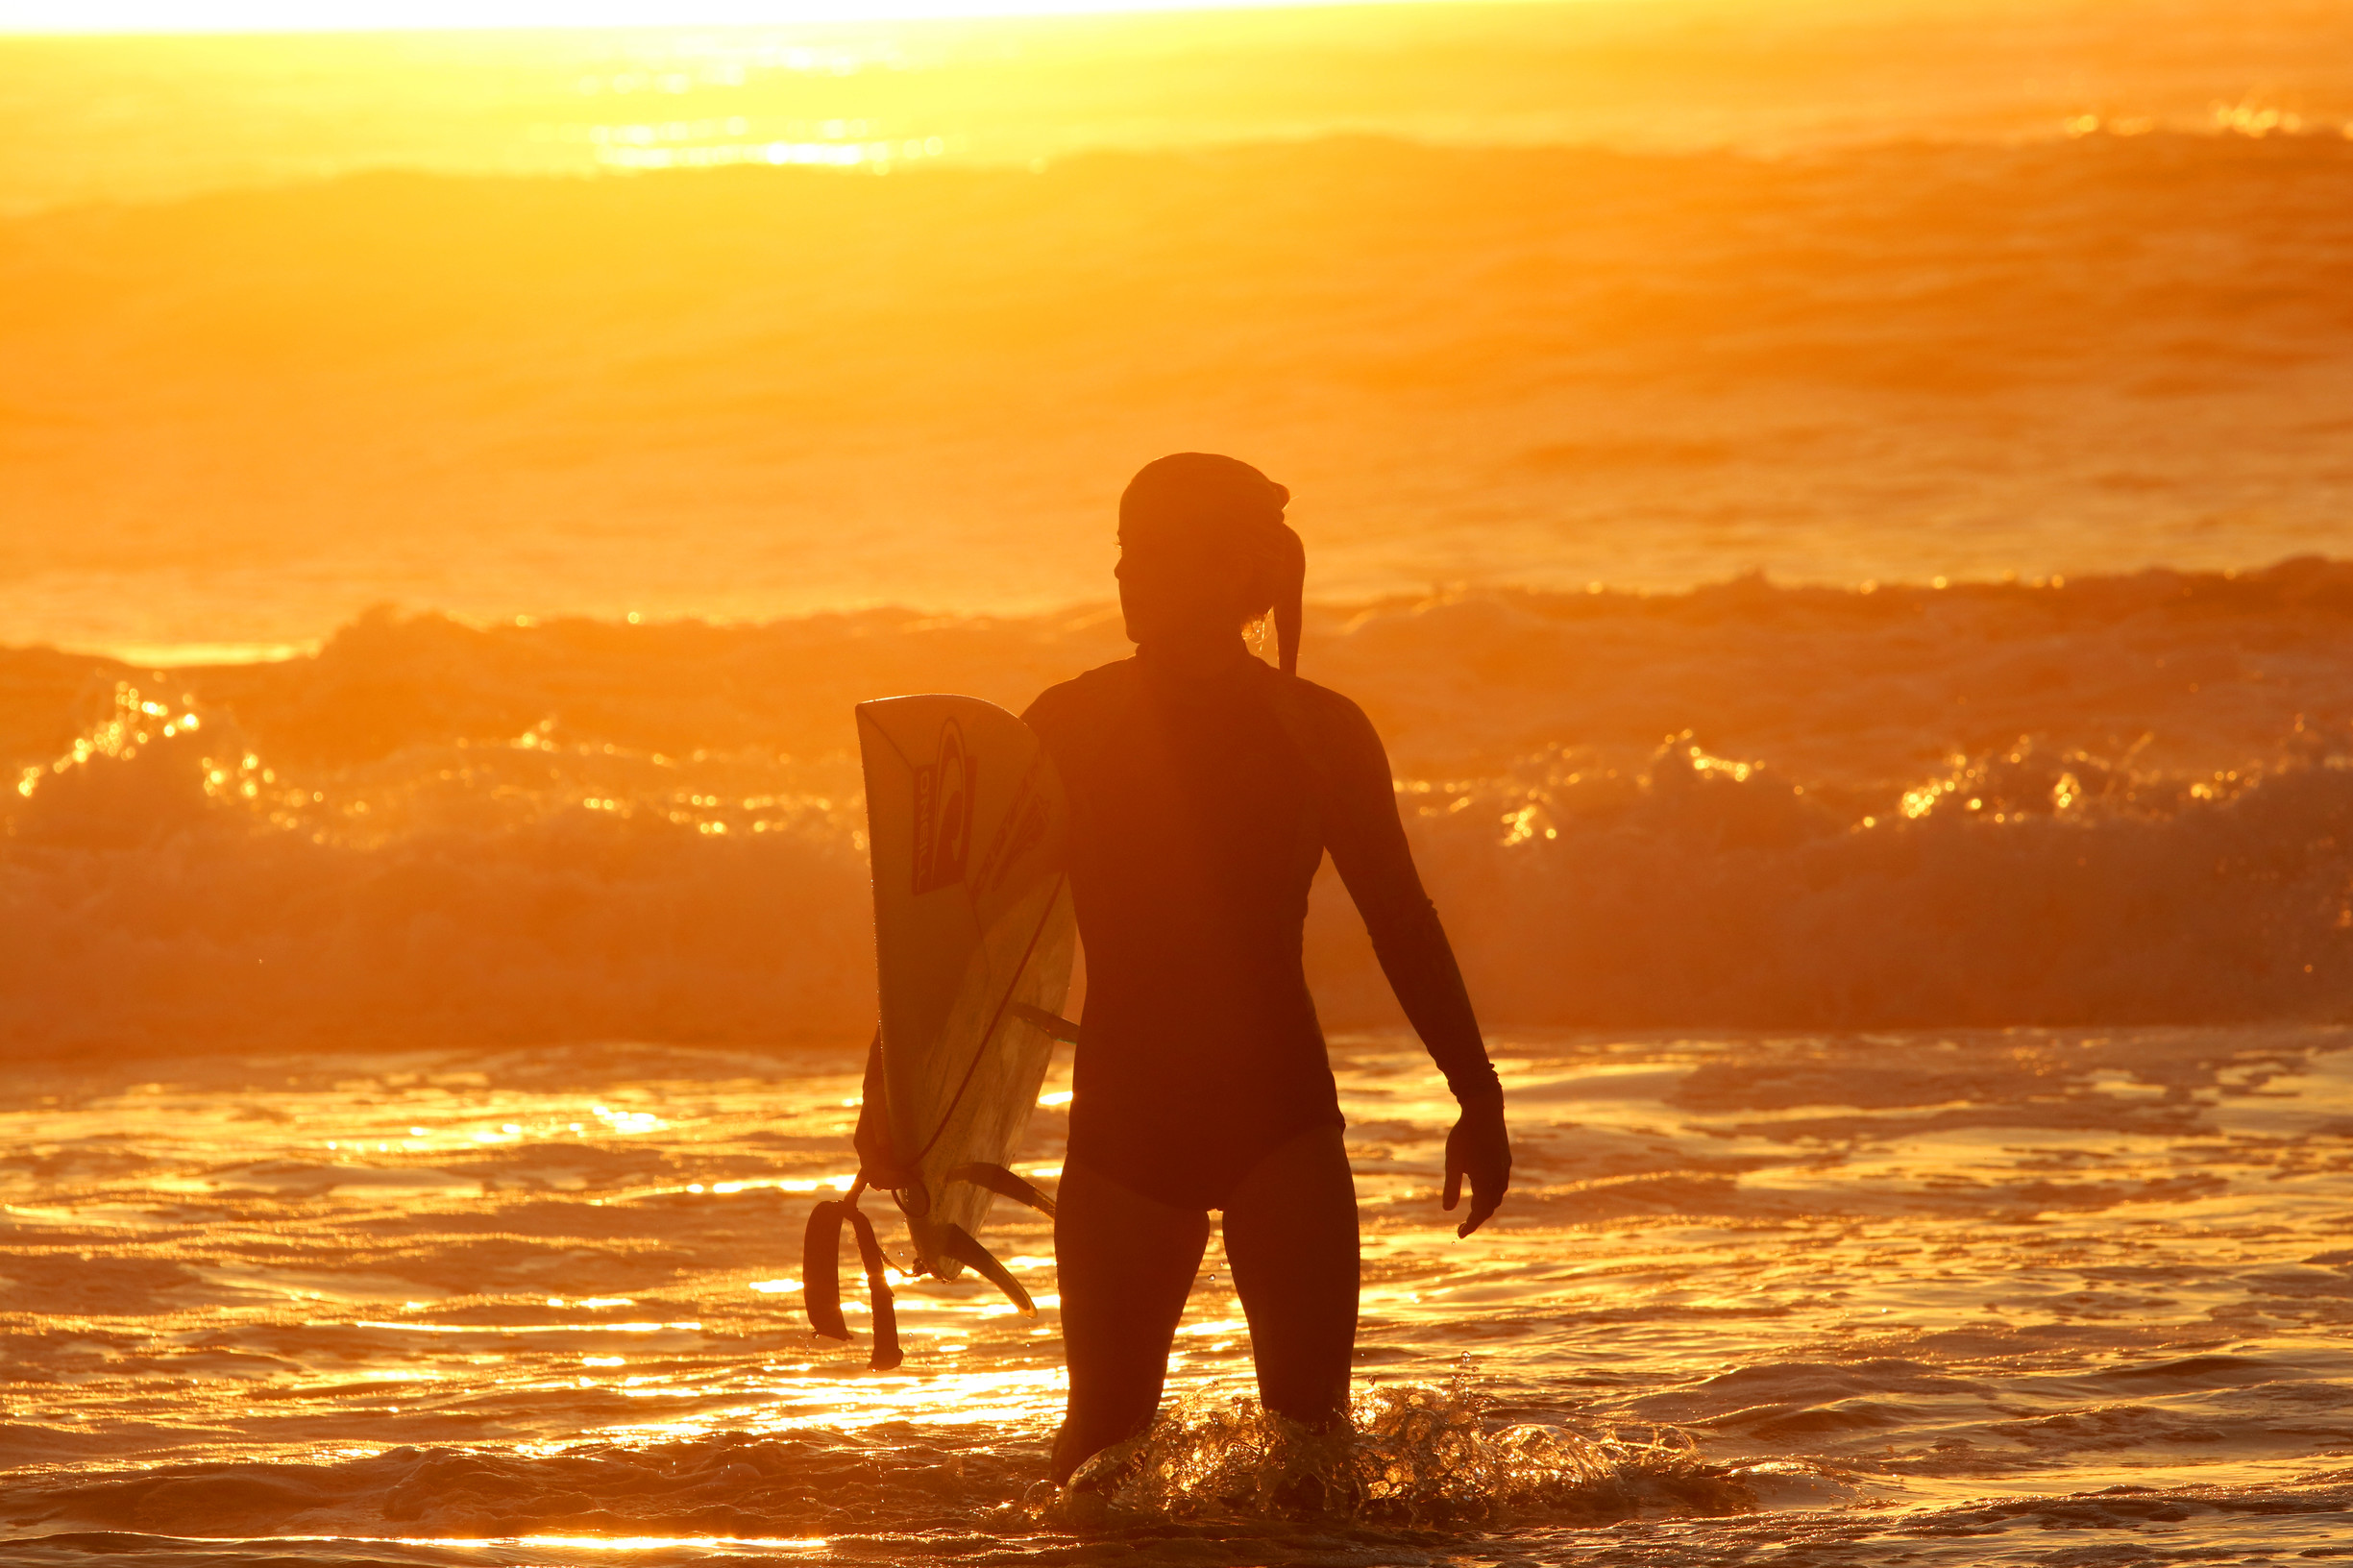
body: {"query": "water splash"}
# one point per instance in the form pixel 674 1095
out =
pixel 1414 1454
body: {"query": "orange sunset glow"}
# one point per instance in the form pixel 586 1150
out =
pixel 1831 520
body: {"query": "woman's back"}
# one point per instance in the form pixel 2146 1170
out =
pixel 1203 798
pixel 1194 837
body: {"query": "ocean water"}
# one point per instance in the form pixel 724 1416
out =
pixel 1836 510
pixel 1935 1297
pixel 1932 1140
pixel 1649 295
pixel 2111 800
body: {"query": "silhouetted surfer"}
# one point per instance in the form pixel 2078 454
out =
pixel 1205 789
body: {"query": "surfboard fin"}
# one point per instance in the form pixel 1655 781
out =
pixel 820 1279
pixel 965 1250
pixel 1004 1184
pixel 1052 1025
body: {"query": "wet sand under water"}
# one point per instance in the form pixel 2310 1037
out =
pixel 1957 1298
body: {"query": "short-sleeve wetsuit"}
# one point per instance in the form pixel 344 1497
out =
pixel 1201 806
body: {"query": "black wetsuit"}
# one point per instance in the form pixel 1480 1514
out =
pixel 1201 806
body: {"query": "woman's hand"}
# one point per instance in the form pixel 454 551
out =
pixel 1480 1148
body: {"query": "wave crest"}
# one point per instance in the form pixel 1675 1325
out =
pixel 2124 801
pixel 2011 888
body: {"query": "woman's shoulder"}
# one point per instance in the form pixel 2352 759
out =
pixel 1074 699
pixel 1320 705
pixel 1330 730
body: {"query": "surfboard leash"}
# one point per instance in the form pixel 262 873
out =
pixel 820 1276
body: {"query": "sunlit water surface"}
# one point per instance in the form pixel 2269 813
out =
pixel 1974 1298
pixel 1641 292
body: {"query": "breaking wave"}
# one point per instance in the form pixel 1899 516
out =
pixel 2116 800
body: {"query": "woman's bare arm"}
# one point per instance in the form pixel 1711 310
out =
pixel 1367 840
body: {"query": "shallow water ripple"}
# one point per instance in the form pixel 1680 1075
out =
pixel 1980 1297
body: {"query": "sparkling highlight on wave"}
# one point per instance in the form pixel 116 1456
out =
pixel 2115 799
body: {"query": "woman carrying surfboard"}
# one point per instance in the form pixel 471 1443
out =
pixel 1204 790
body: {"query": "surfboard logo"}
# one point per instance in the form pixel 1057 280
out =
pixel 1022 827
pixel 943 795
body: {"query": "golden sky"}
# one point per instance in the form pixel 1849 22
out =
pixel 316 15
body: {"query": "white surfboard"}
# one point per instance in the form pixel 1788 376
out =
pixel 974 939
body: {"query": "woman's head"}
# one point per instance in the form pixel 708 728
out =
pixel 1204 549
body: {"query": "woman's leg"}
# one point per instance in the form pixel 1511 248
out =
pixel 1290 1231
pixel 1125 1265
